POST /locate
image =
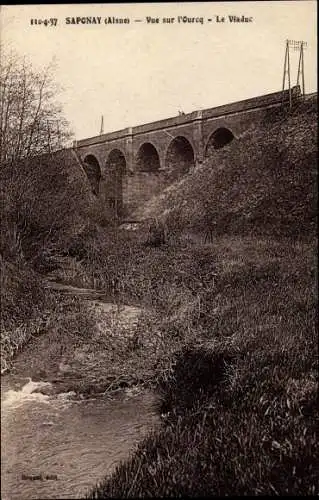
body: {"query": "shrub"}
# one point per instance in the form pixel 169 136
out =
pixel 43 204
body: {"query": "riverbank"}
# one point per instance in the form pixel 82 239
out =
pixel 225 333
pixel 241 384
pixel 185 295
pixel 183 289
pixel 88 362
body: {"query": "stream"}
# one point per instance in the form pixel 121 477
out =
pixel 60 445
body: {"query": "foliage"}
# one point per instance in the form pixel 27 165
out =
pixel 43 204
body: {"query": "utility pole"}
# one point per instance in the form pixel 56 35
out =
pixel 102 125
pixel 297 45
pixel 287 74
pixel 301 67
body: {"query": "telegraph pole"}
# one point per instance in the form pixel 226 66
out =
pixel 301 67
pixel 102 125
pixel 297 45
pixel 286 73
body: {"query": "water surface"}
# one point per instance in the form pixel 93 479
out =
pixel 65 444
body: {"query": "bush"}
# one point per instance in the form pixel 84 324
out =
pixel 43 203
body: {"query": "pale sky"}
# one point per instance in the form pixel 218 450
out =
pixel 137 73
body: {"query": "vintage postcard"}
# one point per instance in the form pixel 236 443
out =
pixel 158 249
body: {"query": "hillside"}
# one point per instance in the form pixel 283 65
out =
pixel 236 322
pixel 263 182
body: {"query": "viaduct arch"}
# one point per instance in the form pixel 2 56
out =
pixel 147 158
pixel 179 158
pixel 218 139
pixel 115 169
pixel 93 171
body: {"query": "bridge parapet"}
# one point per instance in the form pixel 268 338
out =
pixel 109 136
pixel 252 103
pixel 167 123
pixel 226 109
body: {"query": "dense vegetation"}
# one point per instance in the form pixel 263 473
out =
pixel 42 207
pixel 41 200
pixel 238 373
pixel 228 337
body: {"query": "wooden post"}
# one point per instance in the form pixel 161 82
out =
pixel 285 64
pixel 102 125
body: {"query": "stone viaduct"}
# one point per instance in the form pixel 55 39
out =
pixel 127 167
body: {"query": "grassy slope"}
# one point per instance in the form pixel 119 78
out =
pixel 240 339
pixel 252 332
pixel 262 183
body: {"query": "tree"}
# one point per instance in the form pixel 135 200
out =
pixel 31 119
pixel 42 194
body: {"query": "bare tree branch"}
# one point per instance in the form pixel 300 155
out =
pixel 32 121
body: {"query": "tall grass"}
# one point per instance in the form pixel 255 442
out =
pixel 241 389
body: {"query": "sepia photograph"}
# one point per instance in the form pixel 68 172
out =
pixel 159 303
